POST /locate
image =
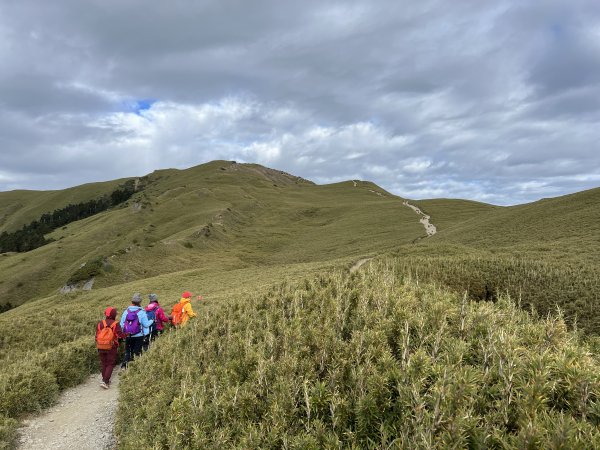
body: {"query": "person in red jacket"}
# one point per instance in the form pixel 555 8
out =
pixel 160 318
pixel 108 333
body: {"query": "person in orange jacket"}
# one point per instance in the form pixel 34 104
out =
pixel 182 311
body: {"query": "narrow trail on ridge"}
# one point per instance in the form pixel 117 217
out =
pixel 430 228
pixel 83 419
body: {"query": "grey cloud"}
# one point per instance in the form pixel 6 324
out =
pixel 463 98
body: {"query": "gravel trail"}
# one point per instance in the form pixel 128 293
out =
pixel 82 419
pixel 430 228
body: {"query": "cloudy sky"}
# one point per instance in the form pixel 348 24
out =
pixel 497 101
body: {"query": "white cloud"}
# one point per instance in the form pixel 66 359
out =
pixel 440 99
pixel 417 165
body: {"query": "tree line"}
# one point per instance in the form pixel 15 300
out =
pixel 32 235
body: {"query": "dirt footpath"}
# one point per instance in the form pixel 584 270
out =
pixel 83 419
pixel 430 228
pixel 359 264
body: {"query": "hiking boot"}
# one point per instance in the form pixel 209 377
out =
pixel 103 385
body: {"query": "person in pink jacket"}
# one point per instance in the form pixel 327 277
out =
pixel 155 311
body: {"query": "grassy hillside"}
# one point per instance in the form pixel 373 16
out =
pixel 546 254
pixel 369 360
pixel 18 208
pixel 220 215
pixel 566 227
pixel 451 213
pixel 326 362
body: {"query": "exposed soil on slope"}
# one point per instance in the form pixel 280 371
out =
pixel 430 228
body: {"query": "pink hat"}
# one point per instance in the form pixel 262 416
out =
pixel 186 294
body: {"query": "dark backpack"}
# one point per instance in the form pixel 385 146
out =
pixel 132 323
pixel 151 314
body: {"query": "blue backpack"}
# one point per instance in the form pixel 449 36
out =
pixel 132 323
pixel 152 316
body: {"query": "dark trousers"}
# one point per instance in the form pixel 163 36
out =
pixel 156 333
pixel 146 343
pixel 133 348
pixel 108 359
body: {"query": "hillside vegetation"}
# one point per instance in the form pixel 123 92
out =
pixel 484 335
pixel 561 228
pixel 47 345
pixel 544 286
pixel 369 360
pixel 20 207
pixel 545 254
pixel 218 215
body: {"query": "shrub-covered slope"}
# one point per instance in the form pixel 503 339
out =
pixel 546 254
pixel 369 360
pixel 47 345
pixel 218 215
pixel 541 285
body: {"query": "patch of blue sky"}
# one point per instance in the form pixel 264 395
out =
pixel 137 106
pixel 557 30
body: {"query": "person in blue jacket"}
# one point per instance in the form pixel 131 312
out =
pixel 134 322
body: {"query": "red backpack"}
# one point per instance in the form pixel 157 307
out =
pixel 105 335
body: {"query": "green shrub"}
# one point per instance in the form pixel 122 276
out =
pixel 71 362
pixel 91 269
pixel 26 388
pixel 8 432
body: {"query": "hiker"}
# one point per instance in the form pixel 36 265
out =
pixel 182 311
pixel 155 312
pixel 108 333
pixel 133 322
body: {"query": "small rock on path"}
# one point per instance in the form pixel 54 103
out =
pixel 82 419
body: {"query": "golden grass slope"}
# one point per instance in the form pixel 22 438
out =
pixel 221 215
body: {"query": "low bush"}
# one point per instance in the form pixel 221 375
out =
pixel 8 432
pixel 91 269
pixel 25 388
pixel 71 363
pixel 539 285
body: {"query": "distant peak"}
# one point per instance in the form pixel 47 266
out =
pixel 276 176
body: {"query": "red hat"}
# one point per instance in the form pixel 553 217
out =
pixel 110 312
pixel 186 294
